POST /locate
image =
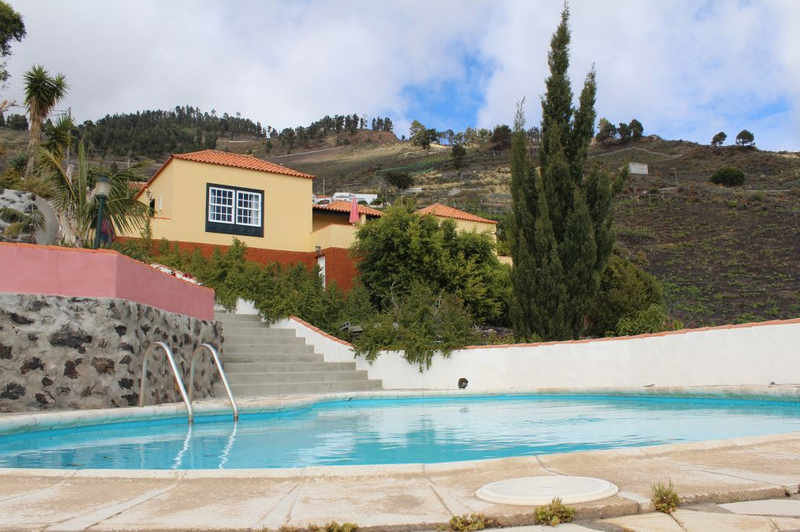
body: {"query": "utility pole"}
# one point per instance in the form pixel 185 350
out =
pixel 69 114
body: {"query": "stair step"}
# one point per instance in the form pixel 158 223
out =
pixel 228 317
pixel 232 368
pixel 262 340
pixel 246 324
pixel 267 349
pixel 296 377
pixel 269 358
pixel 260 331
pixel 249 390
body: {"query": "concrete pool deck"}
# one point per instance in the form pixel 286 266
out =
pixel 415 496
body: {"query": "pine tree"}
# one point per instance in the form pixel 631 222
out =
pixel 561 235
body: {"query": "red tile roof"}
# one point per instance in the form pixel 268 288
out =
pixel 443 211
pixel 344 206
pixel 234 160
pixel 247 162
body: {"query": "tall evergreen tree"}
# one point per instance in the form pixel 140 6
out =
pixel 561 235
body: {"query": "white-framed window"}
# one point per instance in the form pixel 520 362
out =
pixel 234 210
pixel 248 208
pixel 220 205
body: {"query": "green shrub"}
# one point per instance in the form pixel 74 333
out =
pixel 625 291
pixel 653 319
pixel 470 523
pixel 554 513
pixel 402 247
pixel 333 526
pixel 664 497
pixel 421 323
pixel 759 196
pixel 728 176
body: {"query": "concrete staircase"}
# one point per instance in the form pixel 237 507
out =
pixel 259 360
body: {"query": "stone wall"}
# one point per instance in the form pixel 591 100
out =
pixel 77 352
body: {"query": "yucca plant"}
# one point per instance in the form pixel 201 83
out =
pixel 22 223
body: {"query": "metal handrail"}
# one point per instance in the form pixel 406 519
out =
pixel 174 367
pixel 215 356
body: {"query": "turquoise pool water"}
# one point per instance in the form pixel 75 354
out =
pixel 362 432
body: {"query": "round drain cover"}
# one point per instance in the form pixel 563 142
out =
pixel 536 491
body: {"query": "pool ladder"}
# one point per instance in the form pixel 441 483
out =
pixel 187 397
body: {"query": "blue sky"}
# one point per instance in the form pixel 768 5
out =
pixel 685 69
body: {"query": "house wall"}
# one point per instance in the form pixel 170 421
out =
pixel 340 267
pixel 478 227
pixel 287 207
pixel 749 354
pixel 161 191
pixel 334 236
pixel 324 219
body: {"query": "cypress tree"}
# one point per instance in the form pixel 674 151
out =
pixel 561 235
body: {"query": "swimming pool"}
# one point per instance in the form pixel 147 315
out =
pixel 396 431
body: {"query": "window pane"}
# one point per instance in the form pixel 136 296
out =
pixel 248 208
pixel 220 205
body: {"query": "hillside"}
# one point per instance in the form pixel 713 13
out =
pixel 723 255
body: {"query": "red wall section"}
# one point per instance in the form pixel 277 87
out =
pixel 340 267
pixel 31 269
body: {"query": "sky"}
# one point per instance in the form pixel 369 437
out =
pixel 686 69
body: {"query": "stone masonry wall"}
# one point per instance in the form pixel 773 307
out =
pixel 77 353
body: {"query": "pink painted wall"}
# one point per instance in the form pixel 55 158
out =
pixel 32 269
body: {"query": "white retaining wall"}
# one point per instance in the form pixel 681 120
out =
pixel 736 355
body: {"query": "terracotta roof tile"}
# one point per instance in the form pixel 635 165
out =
pixel 344 206
pixel 246 162
pixel 443 211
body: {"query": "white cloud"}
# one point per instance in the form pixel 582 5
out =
pixel 686 70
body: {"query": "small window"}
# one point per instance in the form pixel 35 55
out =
pixel 248 208
pixel 237 211
pixel 220 205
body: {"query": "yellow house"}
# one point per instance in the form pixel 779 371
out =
pixel 204 199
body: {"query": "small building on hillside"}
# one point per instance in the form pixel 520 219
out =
pixel 202 200
pixel 637 168
pixel 464 221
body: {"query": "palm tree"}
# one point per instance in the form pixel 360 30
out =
pixel 42 92
pixel 69 192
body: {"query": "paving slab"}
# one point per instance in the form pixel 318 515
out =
pixel 10 489
pixel 367 501
pixel 652 522
pixel 786 524
pixel 783 507
pixel 635 472
pixel 71 499
pixel 692 521
pixel 204 503
pixel 742 462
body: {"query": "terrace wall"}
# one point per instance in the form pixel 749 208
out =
pixel 756 353
pixel 74 326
